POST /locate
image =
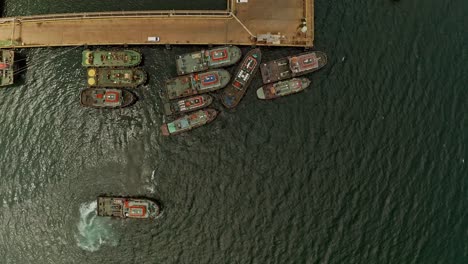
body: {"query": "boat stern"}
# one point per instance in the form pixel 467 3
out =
pixel 305 82
pixel 154 210
pixel 235 53
pixel 211 113
pixel 86 58
pixel 322 58
pixel 164 130
pixel 260 93
pixel 224 78
pixel 140 77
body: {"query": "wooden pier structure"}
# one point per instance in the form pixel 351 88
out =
pixel 255 22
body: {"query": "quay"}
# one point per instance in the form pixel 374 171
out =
pixel 244 22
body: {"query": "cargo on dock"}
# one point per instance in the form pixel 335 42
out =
pixel 116 77
pixel 114 58
pixel 195 83
pixel 292 66
pixel 6 67
pixel 242 79
pixel 207 59
pixel 121 207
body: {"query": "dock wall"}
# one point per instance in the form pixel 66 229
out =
pixel 239 24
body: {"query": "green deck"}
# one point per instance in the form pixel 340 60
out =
pixel 103 58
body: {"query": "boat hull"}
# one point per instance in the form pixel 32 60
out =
pixel 281 89
pixel 103 58
pixel 187 104
pixel 124 207
pixel 196 83
pixel 116 77
pixel 96 98
pixel 189 122
pixel 292 66
pixel 207 59
pixel 241 80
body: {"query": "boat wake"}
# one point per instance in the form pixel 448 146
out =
pixel 93 231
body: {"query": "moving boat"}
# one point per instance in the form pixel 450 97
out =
pixel 242 78
pixel 106 58
pixel 189 122
pixel 195 83
pixel 109 77
pixel 122 207
pixel 187 104
pixel 6 67
pixel 279 89
pixel 106 98
pixel 292 66
pixel 207 59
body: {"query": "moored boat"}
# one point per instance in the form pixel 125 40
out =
pixel 242 78
pixel 107 58
pixel 115 77
pixel 207 59
pixel 195 83
pixel 189 122
pixel 6 67
pixel 187 104
pixel 292 66
pixel 106 98
pixel 123 207
pixel 279 89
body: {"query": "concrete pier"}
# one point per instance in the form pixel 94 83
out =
pixel 257 22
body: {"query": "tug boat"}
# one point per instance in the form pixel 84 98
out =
pixel 103 58
pixel 207 59
pixel 242 79
pixel 109 77
pixel 121 207
pixel 189 122
pixel 292 66
pixel 106 98
pixel 6 67
pixel 187 104
pixel 195 83
pixel 280 89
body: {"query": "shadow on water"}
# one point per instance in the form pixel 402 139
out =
pixel 2 8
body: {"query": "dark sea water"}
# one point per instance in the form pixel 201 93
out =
pixel 367 166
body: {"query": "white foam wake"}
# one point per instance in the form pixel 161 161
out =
pixel 93 231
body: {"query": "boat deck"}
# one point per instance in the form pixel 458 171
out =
pixel 257 22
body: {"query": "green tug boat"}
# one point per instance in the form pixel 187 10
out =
pixel 189 122
pixel 280 89
pixel 6 67
pixel 109 77
pixel 207 59
pixel 195 83
pixel 106 58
